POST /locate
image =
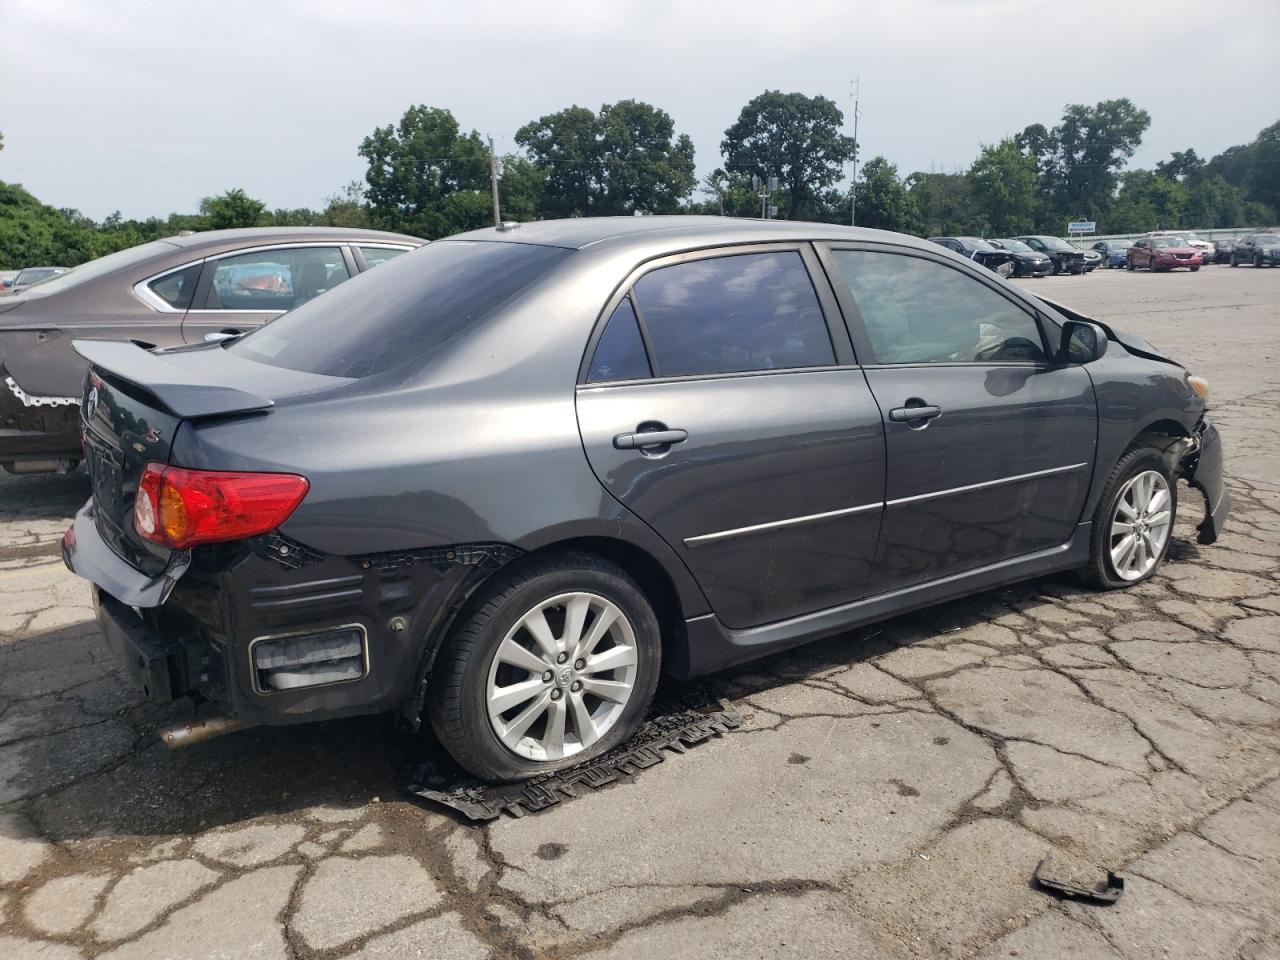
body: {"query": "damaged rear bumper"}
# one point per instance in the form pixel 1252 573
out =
pixel 1202 468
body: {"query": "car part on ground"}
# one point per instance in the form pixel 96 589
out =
pixel 166 293
pixel 670 728
pixel 1066 882
pixel 488 495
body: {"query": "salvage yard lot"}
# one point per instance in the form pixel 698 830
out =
pixel 889 795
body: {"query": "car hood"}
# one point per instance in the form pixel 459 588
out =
pixel 1134 344
pixel 1033 256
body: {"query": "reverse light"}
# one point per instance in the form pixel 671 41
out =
pixel 1201 386
pixel 181 508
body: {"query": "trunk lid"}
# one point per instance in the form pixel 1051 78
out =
pixel 133 405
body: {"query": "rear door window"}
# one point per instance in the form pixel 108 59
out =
pixel 733 314
pixel 278 279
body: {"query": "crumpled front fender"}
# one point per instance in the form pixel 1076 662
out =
pixel 1202 467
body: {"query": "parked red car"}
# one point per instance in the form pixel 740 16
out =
pixel 1163 253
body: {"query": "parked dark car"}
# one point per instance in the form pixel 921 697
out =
pixel 172 291
pixel 1065 257
pixel 508 479
pixel 1113 252
pixel 980 251
pixel 1162 253
pixel 1092 259
pixel 1026 262
pixel 30 276
pixel 1259 249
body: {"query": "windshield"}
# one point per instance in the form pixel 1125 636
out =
pixel 976 243
pixel 1017 246
pixel 33 275
pixel 400 312
pixel 1053 243
pixel 1168 242
pixel 104 265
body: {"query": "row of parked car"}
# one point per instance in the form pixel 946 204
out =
pixel 1039 255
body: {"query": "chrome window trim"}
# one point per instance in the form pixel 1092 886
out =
pixel 364 642
pixel 142 289
pixel 1017 478
pixel 706 538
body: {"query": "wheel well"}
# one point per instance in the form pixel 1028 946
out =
pixel 642 566
pixel 1163 435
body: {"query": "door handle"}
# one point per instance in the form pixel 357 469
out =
pixel 908 414
pixel 649 438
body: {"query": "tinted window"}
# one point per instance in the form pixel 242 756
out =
pixel 620 353
pixel 376 255
pixel 274 279
pixel 753 311
pixel 176 289
pixel 919 311
pixel 402 311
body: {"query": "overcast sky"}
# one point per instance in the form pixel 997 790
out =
pixel 145 107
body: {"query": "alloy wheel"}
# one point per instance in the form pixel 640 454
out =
pixel 561 677
pixel 1140 524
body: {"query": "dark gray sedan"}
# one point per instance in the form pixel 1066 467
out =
pixel 508 479
pixel 172 291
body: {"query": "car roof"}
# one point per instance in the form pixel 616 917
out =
pixel 251 236
pixel 679 232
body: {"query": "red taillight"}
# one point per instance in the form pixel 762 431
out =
pixel 181 508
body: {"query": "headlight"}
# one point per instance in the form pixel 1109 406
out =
pixel 1200 385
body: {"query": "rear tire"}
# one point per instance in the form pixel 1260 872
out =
pixel 1234 262
pixel 1128 265
pixel 1133 523
pixel 1194 269
pixel 1257 260
pixel 514 694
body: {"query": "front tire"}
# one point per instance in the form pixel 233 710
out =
pixel 1257 260
pixel 554 664
pixel 1234 262
pixel 1133 523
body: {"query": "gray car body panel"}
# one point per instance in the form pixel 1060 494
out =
pixel 486 444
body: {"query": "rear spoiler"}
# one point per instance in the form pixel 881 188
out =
pixel 178 390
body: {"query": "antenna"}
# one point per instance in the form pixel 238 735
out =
pixel 855 89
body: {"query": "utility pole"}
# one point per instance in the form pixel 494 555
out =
pixel 493 185
pixel 855 88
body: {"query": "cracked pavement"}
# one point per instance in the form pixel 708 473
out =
pixel 889 795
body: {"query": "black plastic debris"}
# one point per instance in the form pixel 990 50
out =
pixel 1068 883
pixel 444 784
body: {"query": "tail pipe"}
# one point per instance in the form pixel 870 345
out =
pixel 198 731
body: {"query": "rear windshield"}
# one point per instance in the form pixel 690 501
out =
pixel 400 312
pixel 103 265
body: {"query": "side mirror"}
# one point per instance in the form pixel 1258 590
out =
pixel 1082 342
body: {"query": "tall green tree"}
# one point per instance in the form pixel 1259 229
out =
pixel 622 160
pixel 946 204
pixel 235 208
pixel 1263 179
pixel 795 138
pixel 1005 187
pixel 882 200
pixel 1080 158
pixel 426 176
